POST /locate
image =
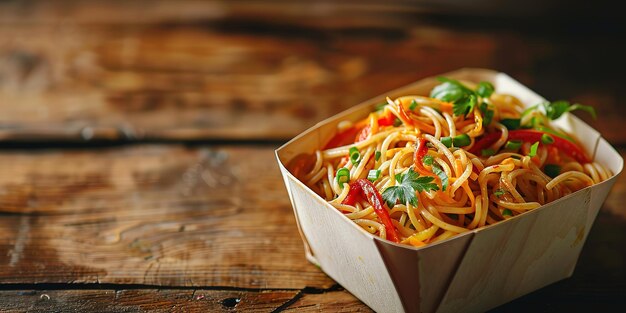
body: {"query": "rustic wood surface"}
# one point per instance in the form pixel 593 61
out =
pixel 137 137
pixel 112 71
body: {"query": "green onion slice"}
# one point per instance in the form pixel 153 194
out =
pixel 487 152
pixel 461 140
pixel 533 149
pixel 446 141
pixel 355 156
pixel 513 144
pixel 546 139
pixel 373 175
pixel 343 176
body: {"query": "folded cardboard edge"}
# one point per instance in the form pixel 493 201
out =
pixel 615 162
pixel 310 255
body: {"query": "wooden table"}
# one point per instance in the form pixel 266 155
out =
pixel 137 139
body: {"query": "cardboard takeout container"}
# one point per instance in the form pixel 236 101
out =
pixel 470 272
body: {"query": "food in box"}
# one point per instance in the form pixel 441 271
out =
pixel 473 270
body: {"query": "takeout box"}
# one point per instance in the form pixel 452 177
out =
pixel 470 272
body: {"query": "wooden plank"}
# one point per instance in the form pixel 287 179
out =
pixel 172 300
pixel 203 216
pixel 158 215
pixel 141 300
pixel 549 299
pixel 204 81
pixel 72 82
pixel 175 216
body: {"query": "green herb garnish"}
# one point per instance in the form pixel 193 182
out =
pixel 355 156
pixel 513 144
pixel 487 152
pixel 533 149
pixel 437 170
pixel 461 140
pixel 546 139
pixel 555 109
pixel 373 175
pixel 408 185
pixel 463 98
pixel 343 176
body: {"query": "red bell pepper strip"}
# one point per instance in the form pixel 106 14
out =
pixel 363 134
pixel 364 188
pixel 387 120
pixel 485 142
pixel 420 151
pixel 343 138
pixel 532 136
pixel 358 132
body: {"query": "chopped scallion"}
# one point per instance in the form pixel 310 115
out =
pixel 513 144
pixel 446 141
pixel 373 175
pixel 507 212
pixel 343 176
pixel 533 149
pixel 487 152
pixel 546 139
pixel 355 156
pixel 377 155
pixel 413 105
pixel 461 140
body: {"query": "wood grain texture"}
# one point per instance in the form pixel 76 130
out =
pixel 203 226
pixel 158 215
pixel 189 82
pixel 174 216
pixel 142 300
pixel 187 71
pixel 172 300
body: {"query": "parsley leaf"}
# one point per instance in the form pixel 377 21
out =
pixel 487 113
pixel 555 109
pixel 485 89
pixel 463 98
pixel 408 185
pixel 464 106
pixel 450 91
pixel 437 170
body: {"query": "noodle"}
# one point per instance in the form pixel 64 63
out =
pixel 441 172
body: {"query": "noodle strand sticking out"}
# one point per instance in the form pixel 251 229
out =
pixel 423 169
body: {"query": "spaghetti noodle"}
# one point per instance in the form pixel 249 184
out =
pixel 422 169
